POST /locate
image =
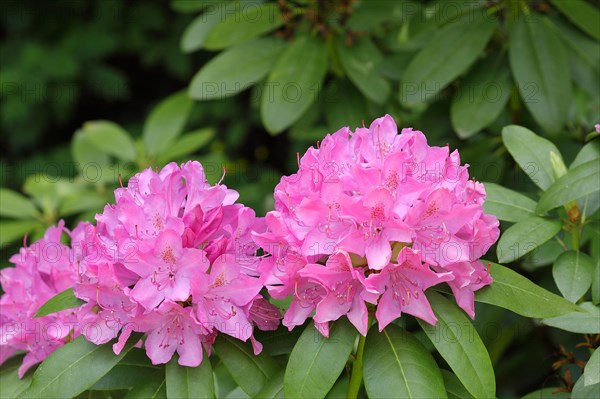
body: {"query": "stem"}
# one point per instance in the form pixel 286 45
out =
pixel 357 370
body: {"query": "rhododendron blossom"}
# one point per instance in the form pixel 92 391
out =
pixel 42 270
pixel 175 263
pixel 375 217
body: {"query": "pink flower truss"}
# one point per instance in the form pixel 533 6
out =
pixel 42 270
pixel 373 216
pixel 173 258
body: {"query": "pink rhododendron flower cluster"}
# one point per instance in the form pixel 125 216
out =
pixel 377 217
pixel 42 270
pixel 174 259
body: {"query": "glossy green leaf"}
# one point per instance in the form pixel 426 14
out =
pixel 514 292
pixel 126 377
pixel 584 321
pixel 547 393
pixel 591 374
pixel 223 76
pixel 195 34
pixel 596 283
pixel 582 14
pixel 449 53
pixel 251 21
pixel 155 388
pixel 14 230
pixel 577 183
pixel 273 388
pixel 249 371
pixel 582 391
pixel 525 236
pixel 573 273
pixel 166 122
pixel 584 56
pixel 190 382
pixel 74 368
pixel 459 344
pixel 506 204
pixel 84 152
pixel 10 383
pixel 454 388
pixel 15 205
pixel 532 153
pixel 397 365
pixel 187 144
pixel 61 301
pixel 539 63
pixel 294 83
pixel 339 390
pixel 316 362
pixel 110 138
pixel 481 97
pixel 81 201
pixel 360 62
pixel 589 152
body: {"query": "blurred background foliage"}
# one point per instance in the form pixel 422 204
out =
pixel 93 91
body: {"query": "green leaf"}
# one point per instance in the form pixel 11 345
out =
pixel 340 389
pixel 222 76
pixel 596 283
pixel 344 105
pixel 584 56
pixel 577 183
pixel 582 14
pixel 155 388
pixel 294 83
pixel 458 343
pixel 15 205
pixel 514 292
pixel 13 230
pixel 195 34
pixel 110 138
pixel 582 391
pixel 125 377
pixel 584 321
pixel 481 97
pixel 187 144
pixel 589 152
pixel 397 365
pixel 523 237
pixel 74 368
pixel 506 204
pixel 62 301
pixel 454 388
pixel 280 341
pixel 316 362
pixel 10 383
pixel 539 63
pixel 547 393
pixel 273 388
pixel 166 122
pixel 251 21
pixel 573 273
pixel 532 153
pixel 449 53
pixel 249 371
pixel 190 382
pixel 360 63
pixel 591 374
pixel 85 152
pixel 80 202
